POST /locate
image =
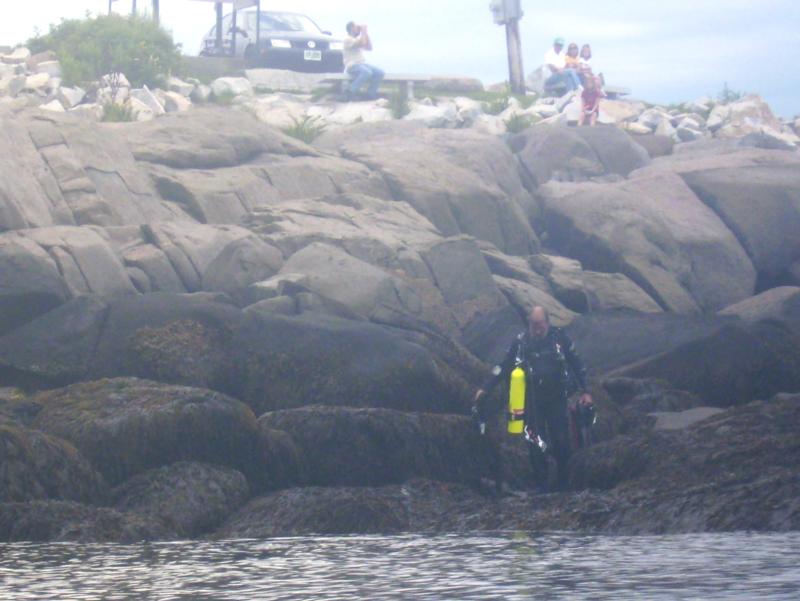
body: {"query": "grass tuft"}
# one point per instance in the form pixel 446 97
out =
pixel 306 129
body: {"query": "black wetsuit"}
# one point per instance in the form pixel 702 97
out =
pixel 553 371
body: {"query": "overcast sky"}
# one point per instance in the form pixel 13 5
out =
pixel 664 51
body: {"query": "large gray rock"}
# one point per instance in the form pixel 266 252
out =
pixel 575 154
pixel 84 259
pixel 392 446
pixel 126 426
pixel 30 284
pixel 96 172
pixel 462 181
pixel 524 297
pixel 607 291
pixel 29 193
pixel 192 247
pixel 463 278
pixel 680 420
pixel 278 362
pixel 381 233
pixel 269 361
pixel 516 268
pixel 746 116
pixel 732 366
pixel 60 521
pixel 57 348
pixel 35 465
pixel 654 230
pixel 610 340
pixel 234 86
pixel 241 263
pixel 208 138
pixel 159 274
pixel 781 305
pixel 366 290
pixel 229 195
pixel 193 498
pixel 565 277
pixel 760 203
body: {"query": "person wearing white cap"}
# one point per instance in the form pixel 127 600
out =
pixel 555 64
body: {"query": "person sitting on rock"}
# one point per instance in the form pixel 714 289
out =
pixel 585 66
pixel 590 102
pixel 572 59
pixel 555 64
pixel 355 65
pixel 553 370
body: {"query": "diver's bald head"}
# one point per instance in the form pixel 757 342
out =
pixel 538 322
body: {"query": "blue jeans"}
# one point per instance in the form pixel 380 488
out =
pixel 361 73
pixel 569 77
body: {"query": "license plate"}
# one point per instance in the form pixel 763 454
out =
pixel 312 55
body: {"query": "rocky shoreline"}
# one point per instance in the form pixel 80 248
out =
pixel 212 329
pixel 284 99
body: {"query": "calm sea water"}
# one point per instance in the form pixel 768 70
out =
pixel 498 566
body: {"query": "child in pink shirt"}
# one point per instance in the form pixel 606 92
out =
pixel 590 99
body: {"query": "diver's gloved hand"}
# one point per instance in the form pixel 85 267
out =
pixel 479 422
pixel 532 437
pixel 529 432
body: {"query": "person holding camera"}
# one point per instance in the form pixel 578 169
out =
pixel 355 65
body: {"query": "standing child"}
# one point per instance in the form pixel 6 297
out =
pixel 590 100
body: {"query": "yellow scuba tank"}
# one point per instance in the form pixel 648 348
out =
pixel 516 401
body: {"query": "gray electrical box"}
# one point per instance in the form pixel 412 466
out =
pixel 504 11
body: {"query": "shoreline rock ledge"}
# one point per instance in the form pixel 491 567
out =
pixel 211 329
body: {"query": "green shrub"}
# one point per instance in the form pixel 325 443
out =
pixel 398 104
pixel 727 95
pixel 319 93
pixel 306 129
pixel 526 100
pixel 90 48
pixel 117 113
pixel 496 106
pixel 519 122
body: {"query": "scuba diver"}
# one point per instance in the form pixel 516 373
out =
pixel 544 370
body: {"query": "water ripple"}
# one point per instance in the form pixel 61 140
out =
pixel 500 566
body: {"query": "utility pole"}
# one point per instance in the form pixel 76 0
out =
pixel 155 12
pixel 110 2
pixel 218 42
pixel 508 13
pixel 133 8
pixel 515 72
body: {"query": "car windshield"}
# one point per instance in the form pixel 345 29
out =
pixel 287 22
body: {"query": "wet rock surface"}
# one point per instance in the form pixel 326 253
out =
pixel 45 521
pixel 247 335
pixel 392 446
pixel 35 465
pixel 714 475
pixel 126 426
pixel 192 498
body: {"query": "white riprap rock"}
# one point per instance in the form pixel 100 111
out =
pixel 175 84
pixel 146 97
pixel 70 97
pixel 175 102
pixel 19 55
pixel 54 106
pixel 235 86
